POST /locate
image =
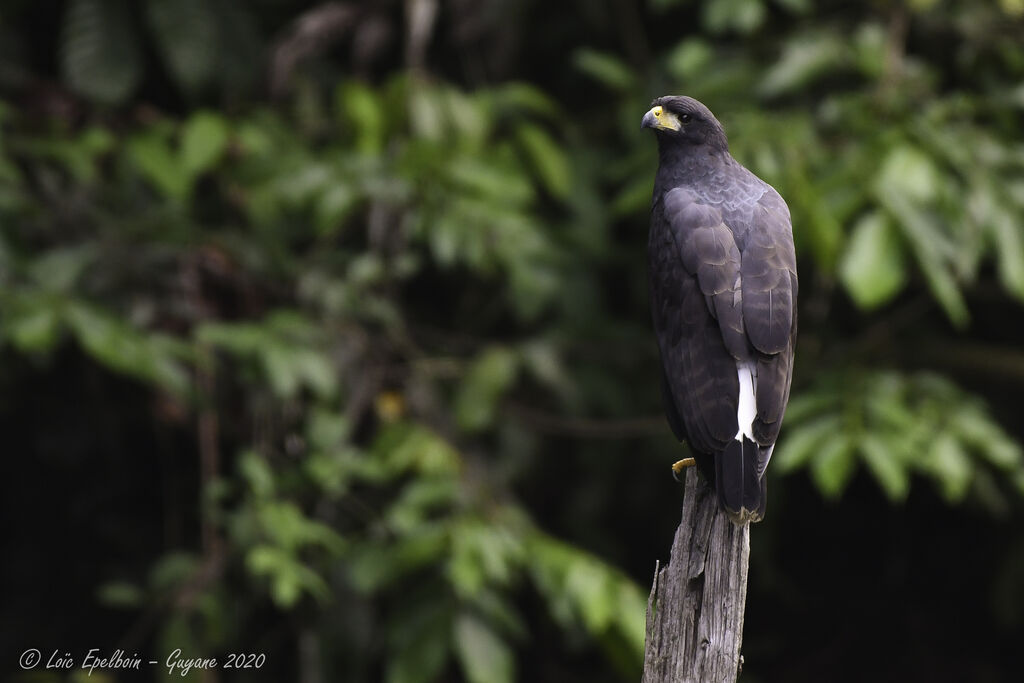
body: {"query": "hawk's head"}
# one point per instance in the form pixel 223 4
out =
pixel 678 119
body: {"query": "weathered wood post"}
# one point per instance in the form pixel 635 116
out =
pixel 695 610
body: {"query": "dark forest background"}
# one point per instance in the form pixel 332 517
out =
pixel 324 334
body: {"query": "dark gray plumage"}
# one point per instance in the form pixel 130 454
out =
pixel 723 294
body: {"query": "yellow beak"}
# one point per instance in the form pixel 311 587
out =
pixel 660 118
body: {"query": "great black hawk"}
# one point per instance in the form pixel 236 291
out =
pixel 723 296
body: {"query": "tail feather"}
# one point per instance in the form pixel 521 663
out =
pixel 741 492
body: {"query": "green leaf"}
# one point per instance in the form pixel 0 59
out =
pixel 489 377
pixel 289 528
pixel 123 349
pixel 330 471
pixel 873 268
pixel 951 464
pixel 587 583
pixel 496 608
pixel 172 570
pixel 100 56
pixel 1008 235
pixel 976 429
pixel 1003 452
pixel 938 272
pixel 255 470
pixel 634 198
pixel 34 327
pixel 604 68
pixel 821 231
pixel 316 371
pixel 59 270
pixel 886 466
pixel 833 465
pixel 483 655
pixel 423 642
pixel 581 590
pixel 403 447
pixel 1013 8
pixel 465 568
pixel 689 58
pixel 152 155
pixel 285 343
pixel 547 158
pixel 426 113
pixel 803 60
pixel 482 554
pixel 525 97
pixel 897 424
pixel 630 615
pixel 372 567
pixel 289 578
pixel 542 361
pixel 364 111
pixel 469 115
pixel 908 182
pixel 186 36
pixel 910 173
pixel 497 185
pixel 95 141
pixel 870 47
pixel 549 563
pixel 282 373
pixel 120 594
pixel 238 338
pixel 812 402
pixel 334 205
pixel 328 430
pixel 742 16
pixel 421 499
pixel 204 139
pixel 804 441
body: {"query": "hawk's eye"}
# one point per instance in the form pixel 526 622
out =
pixel 685 118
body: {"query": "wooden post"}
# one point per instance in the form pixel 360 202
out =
pixel 695 610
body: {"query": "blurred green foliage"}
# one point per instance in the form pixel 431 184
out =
pixel 389 287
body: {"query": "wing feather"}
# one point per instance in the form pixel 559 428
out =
pixel 695 276
pixel 769 314
pixel 723 289
pixel 768 272
pixel 708 250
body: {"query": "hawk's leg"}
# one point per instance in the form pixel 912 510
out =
pixel 679 466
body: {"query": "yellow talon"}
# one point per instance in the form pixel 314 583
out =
pixel 680 465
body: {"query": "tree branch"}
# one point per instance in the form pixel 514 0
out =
pixel 695 610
